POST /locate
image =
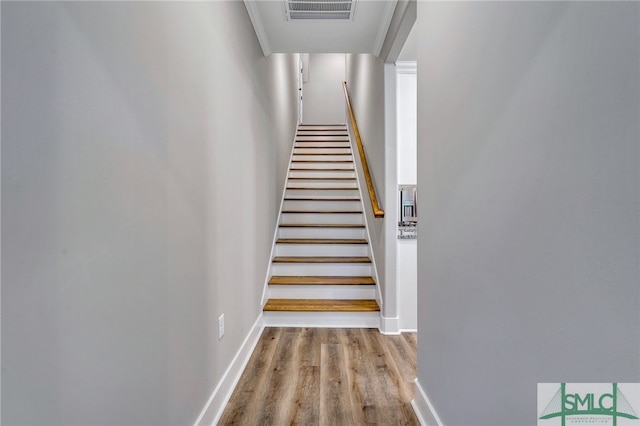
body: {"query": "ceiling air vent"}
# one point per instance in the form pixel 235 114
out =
pixel 319 9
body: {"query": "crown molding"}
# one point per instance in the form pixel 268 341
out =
pixel 385 22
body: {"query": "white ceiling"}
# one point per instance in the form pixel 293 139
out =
pixel 366 33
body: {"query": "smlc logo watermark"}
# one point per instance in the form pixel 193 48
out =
pixel 574 404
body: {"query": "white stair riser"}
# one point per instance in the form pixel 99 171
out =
pixel 292 193
pixel 322 174
pixel 347 233
pixel 321 138
pixel 321 158
pixel 300 150
pixel 322 250
pixel 322 269
pixel 322 319
pixel 315 166
pixel 322 184
pixel 350 218
pixel 326 132
pixel 319 132
pixel 323 144
pixel 322 205
pixel 322 292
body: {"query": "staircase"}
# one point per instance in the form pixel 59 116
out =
pixel 321 273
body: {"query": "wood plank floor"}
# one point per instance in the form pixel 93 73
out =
pixel 318 376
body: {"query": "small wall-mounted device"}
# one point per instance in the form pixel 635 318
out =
pixel 408 215
pixel 407 212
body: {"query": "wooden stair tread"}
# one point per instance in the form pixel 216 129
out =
pixel 322 138
pixel 321 259
pixel 309 198
pixel 321 241
pixel 324 188
pixel 321 161
pixel 319 280
pixel 322 153
pixel 321 147
pixel 322 305
pixel 322 178
pixel 298 169
pixel 321 225
pixel 340 125
pixel 322 144
pixel 334 129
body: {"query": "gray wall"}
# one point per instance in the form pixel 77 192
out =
pixel 365 81
pixel 528 173
pixel 323 98
pixel 409 51
pixel 127 130
pixel 282 108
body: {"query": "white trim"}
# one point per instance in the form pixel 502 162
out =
pixel 258 26
pixel 322 319
pixel 403 71
pixel 265 287
pixel 408 330
pixel 214 407
pixel 391 197
pixel 407 67
pixel 390 326
pixel 357 166
pixel 383 29
pixel 423 408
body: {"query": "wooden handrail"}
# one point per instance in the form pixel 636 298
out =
pixel 377 211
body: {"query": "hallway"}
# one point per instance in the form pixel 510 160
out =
pixel 312 376
pixel 145 149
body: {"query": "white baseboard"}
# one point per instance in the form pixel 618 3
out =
pixel 423 408
pixel 389 325
pixel 214 407
pixel 322 319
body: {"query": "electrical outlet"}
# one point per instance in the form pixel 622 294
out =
pixel 220 326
